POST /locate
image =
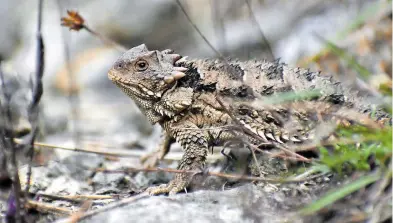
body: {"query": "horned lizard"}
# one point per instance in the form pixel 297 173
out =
pixel 199 103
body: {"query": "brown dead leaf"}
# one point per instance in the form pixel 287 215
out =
pixel 74 21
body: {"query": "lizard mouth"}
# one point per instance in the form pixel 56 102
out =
pixel 134 88
pixel 137 90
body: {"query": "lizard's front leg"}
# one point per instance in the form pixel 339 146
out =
pixel 195 145
pixel 151 159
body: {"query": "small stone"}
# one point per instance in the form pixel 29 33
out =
pixel 80 165
pixel 113 179
pixel 67 186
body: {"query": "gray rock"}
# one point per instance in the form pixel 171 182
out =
pixel 19 92
pixel 38 181
pixel 56 169
pixel 114 179
pixel 75 165
pixel 144 179
pixel 107 190
pixel 243 204
pixel 67 186
pixel 80 164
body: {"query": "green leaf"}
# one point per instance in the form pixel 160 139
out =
pixel 337 194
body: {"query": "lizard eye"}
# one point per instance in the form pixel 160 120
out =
pixel 141 65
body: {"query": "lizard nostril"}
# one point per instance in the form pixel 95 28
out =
pixel 119 65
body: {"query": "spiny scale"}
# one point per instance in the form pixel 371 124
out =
pixel 271 132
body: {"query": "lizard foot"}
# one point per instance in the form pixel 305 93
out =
pixel 176 185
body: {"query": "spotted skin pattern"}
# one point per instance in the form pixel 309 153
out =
pixel 182 96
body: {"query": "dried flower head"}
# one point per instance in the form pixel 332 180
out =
pixel 74 21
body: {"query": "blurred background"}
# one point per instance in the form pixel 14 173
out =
pixel 81 107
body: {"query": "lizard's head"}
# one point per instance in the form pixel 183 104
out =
pixel 146 74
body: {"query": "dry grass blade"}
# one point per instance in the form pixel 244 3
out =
pixel 73 84
pixel 91 197
pixel 47 208
pixel 77 198
pixel 37 91
pixel 255 21
pixel 217 174
pixel 114 153
pixel 254 157
pixel 199 31
pixel 280 154
pixel 314 147
pixel 82 210
pixel 119 154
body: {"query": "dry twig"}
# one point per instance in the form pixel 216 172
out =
pixel 74 21
pixel 37 91
pixel 82 210
pixel 77 198
pixel 115 153
pixel 199 31
pixel 73 85
pixel 255 21
pixel 217 174
pixel 47 208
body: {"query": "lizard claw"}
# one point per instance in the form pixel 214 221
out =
pixel 162 189
pixel 175 186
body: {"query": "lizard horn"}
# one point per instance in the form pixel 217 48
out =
pixel 177 75
pixel 169 79
pixel 181 69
